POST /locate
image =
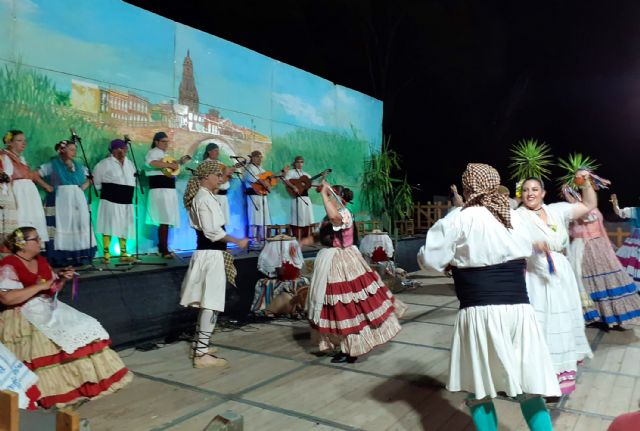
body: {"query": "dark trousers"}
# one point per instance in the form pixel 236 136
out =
pixel 163 239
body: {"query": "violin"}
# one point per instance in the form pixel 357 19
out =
pixel 297 186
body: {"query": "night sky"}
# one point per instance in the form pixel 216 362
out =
pixel 462 81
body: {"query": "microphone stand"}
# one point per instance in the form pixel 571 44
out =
pixel 138 187
pixel 92 190
pixel 246 169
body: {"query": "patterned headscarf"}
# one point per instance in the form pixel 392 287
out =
pixel 481 183
pixel 203 170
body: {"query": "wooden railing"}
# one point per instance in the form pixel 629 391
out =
pixel 426 214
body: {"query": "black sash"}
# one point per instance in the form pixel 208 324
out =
pixel 205 243
pixel 223 192
pixel 117 193
pixel 492 285
pixel 161 182
pixel 250 191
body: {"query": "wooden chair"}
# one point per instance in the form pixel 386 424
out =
pixel 66 420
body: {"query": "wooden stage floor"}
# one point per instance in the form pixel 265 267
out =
pixel 276 382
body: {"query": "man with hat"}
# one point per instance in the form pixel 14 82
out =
pixel 301 214
pixel 257 205
pixel 114 177
pixel 162 205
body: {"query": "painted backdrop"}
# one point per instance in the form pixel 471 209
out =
pixel 107 68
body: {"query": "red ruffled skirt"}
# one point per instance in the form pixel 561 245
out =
pixel 358 311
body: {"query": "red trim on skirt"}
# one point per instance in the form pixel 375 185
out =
pixel 88 390
pixel 62 357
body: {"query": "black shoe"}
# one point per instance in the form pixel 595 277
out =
pixel 339 358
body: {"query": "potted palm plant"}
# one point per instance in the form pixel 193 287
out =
pixel 388 198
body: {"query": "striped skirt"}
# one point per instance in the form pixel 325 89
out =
pixel 358 311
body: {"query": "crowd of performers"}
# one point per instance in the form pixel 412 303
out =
pixel 528 276
pixel 63 220
pixel 61 356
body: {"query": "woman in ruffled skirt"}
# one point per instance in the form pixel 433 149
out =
pixel 349 306
pixel 629 253
pixel 67 350
pixel 599 273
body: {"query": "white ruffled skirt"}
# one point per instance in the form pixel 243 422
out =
pixel 500 348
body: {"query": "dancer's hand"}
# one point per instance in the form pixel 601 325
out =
pixel 242 243
pixel 541 247
pixel 614 200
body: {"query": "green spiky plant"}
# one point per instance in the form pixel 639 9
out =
pixel 388 199
pixel 572 164
pixel 530 158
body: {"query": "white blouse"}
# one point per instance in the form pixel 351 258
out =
pixel 205 215
pixel 251 171
pixel 554 232
pixel 472 238
pixel 110 170
pixel 153 155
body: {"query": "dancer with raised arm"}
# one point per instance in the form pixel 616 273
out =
pixel 551 282
pixel 350 308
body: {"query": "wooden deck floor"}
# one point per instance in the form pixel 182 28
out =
pixel 276 382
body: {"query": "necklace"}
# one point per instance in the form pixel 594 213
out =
pixel 24 258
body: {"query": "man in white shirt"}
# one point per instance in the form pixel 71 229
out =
pixel 114 177
pixel 257 204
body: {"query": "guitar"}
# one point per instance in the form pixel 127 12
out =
pixel 174 172
pixel 297 186
pixel 266 181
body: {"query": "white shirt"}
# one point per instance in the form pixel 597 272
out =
pixel 473 238
pixel 153 154
pixel 296 174
pixel 205 215
pixel 248 171
pixel 110 170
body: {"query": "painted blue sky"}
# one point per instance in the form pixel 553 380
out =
pixel 114 43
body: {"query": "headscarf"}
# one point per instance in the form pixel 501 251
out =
pixel 481 182
pixel 203 170
pixel 210 147
pixel 117 143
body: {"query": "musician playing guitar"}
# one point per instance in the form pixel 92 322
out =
pixel 162 204
pixel 301 215
pixel 212 152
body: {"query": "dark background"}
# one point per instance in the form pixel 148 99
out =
pixel 462 81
